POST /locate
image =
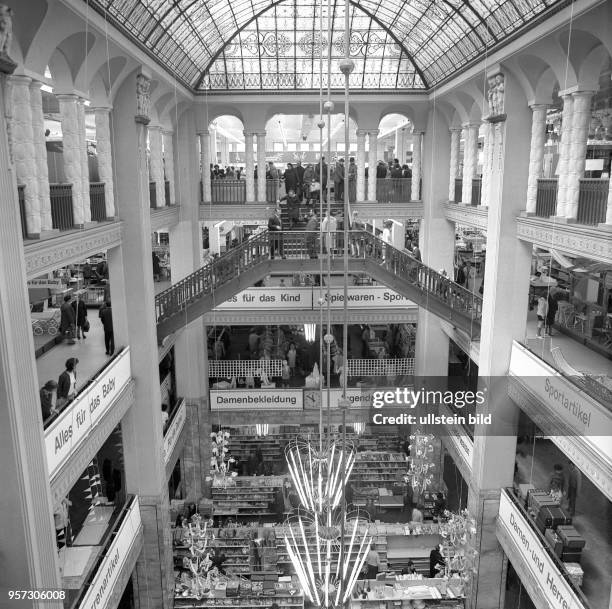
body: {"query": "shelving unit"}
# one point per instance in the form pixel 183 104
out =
pixel 378 469
pixel 246 497
pixel 247 598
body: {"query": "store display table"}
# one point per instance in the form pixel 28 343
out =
pixel 391 593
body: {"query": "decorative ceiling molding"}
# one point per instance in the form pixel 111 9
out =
pixel 164 217
pixel 468 215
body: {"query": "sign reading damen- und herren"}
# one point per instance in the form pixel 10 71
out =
pixel 248 399
pixel 76 422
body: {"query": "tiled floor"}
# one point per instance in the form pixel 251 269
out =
pixel 592 520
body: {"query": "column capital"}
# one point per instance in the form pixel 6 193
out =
pixel 373 131
pixel 471 125
pixel 418 132
pixel 455 129
pixel 101 109
pixel 167 131
pixel 21 79
pixel 572 90
pixel 73 97
pixel 538 106
pixel 361 132
pixel 583 94
pixel 154 127
pixel 202 132
pixel 259 133
pixel 248 133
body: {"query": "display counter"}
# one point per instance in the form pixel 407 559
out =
pixel 396 593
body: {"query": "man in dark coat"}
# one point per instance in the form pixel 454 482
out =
pixel 67 320
pixel 106 316
pixel 274 227
pixel 80 312
pixel 321 177
pixel 553 305
pixel 299 170
pixel 311 239
pixel 46 399
pixel 339 180
pixel 381 170
pixel 291 179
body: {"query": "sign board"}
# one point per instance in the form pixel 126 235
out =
pixel 463 444
pixel 111 567
pixel 253 399
pixel 174 431
pixel 357 398
pixel 362 297
pixel 46 283
pixel 76 422
pixel 556 590
pixel 581 414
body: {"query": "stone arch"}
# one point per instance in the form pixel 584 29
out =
pixel 460 112
pixel 61 74
pixel 545 86
pixel 98 92
pixel 577 44
pixel 76 49
pixel 25 29
pixel 590 69
pixel 97 61
pixel 552 54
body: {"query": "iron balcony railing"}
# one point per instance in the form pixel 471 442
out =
pixel 97 201
pixel 476 191
pixel 458 189
pixel 392 190
pixel 592 201
pixel 61 206
pixel 228 191
pixel 546 198
pixel 22 213
pixel 152 195
pixel 302 245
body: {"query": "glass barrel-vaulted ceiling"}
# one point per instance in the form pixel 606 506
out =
pixel 274 44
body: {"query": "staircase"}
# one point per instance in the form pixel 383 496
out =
pixel 295 252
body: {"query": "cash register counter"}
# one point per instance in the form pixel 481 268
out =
pixel 389 592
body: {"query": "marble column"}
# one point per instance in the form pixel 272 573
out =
pixel 487 157
pixel 135 323
pixel 470 161
pixel 361 162
pixel 84 161
pixel 506 289
pixel 249 168
pixel 27 534
pixel 157 163
pixel 72 156
pixel 415 186
pixel 536 154
pixel 105 158
pixel 455 145
pixel 564 150
pixel 40 151
pixel 581 119
pixel 261 167
pixel 372 151
pixel 168 146
pixel 24 152
pixel 205 166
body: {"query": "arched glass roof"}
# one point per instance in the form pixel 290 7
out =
pixel 274 44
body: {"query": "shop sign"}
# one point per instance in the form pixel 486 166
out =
pixel 174 431
pixel 583 415
pixel 362 297
pixel 357 398
pixel 463 444
pixel 112 565
pixel 76 422
pixel 556 589
pixel 46 283
pixel 256 399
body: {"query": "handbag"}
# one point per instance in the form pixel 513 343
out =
pixel 315 186
pixel 86 325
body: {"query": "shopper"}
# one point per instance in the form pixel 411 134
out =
pixel 308 180
pixel 285 374
pixel 557 482
pixel 574 486
pixel 292 358
pixel 551 314
pixel 352 180
pixel 312 228
pixel 164 408
pixel 67 320
pixel 436 562
pixel 61 517
pixel 339 180
pixel 329 227
pixel 439 506
pixel 67 383
pixel 373 564
pixel 46 399
pixel 321 176
pixel 275 227
pixel 542 312
pixel 106 316
pixel 291 179
pixel 82 323
pixel 156 266
pixel 293 207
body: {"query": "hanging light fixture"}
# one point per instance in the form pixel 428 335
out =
pixel 310 332
pixel 220 462
pixel 326 562
pixel 261 429
pixel 419 462
pixel 359 427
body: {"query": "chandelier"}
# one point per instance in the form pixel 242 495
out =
pixel 458 534
pixel 359 427
pixel 220 463
pixel 419 462
pixel 317 473
pixel 326 571
pixel 261 429
pixel 310 332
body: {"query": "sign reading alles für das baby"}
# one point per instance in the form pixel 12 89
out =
pixel 75 423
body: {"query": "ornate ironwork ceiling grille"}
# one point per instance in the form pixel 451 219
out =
pixel 274 44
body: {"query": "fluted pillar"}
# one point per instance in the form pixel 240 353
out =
pixel 455 145
pixel 536 154
pixel 40 152
pixel 581 120
pixel 372 150
pixel 249 167
pixel 168 145
pixel 83 160
pixel 72 159
pixel 470 158
pixel 417 145
pixel 487 161
pixel 205 165
pixel 105 159
pixel 24 152
pixel 156 163
pixel 261 166
pixel 564 148
pixel 361 161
